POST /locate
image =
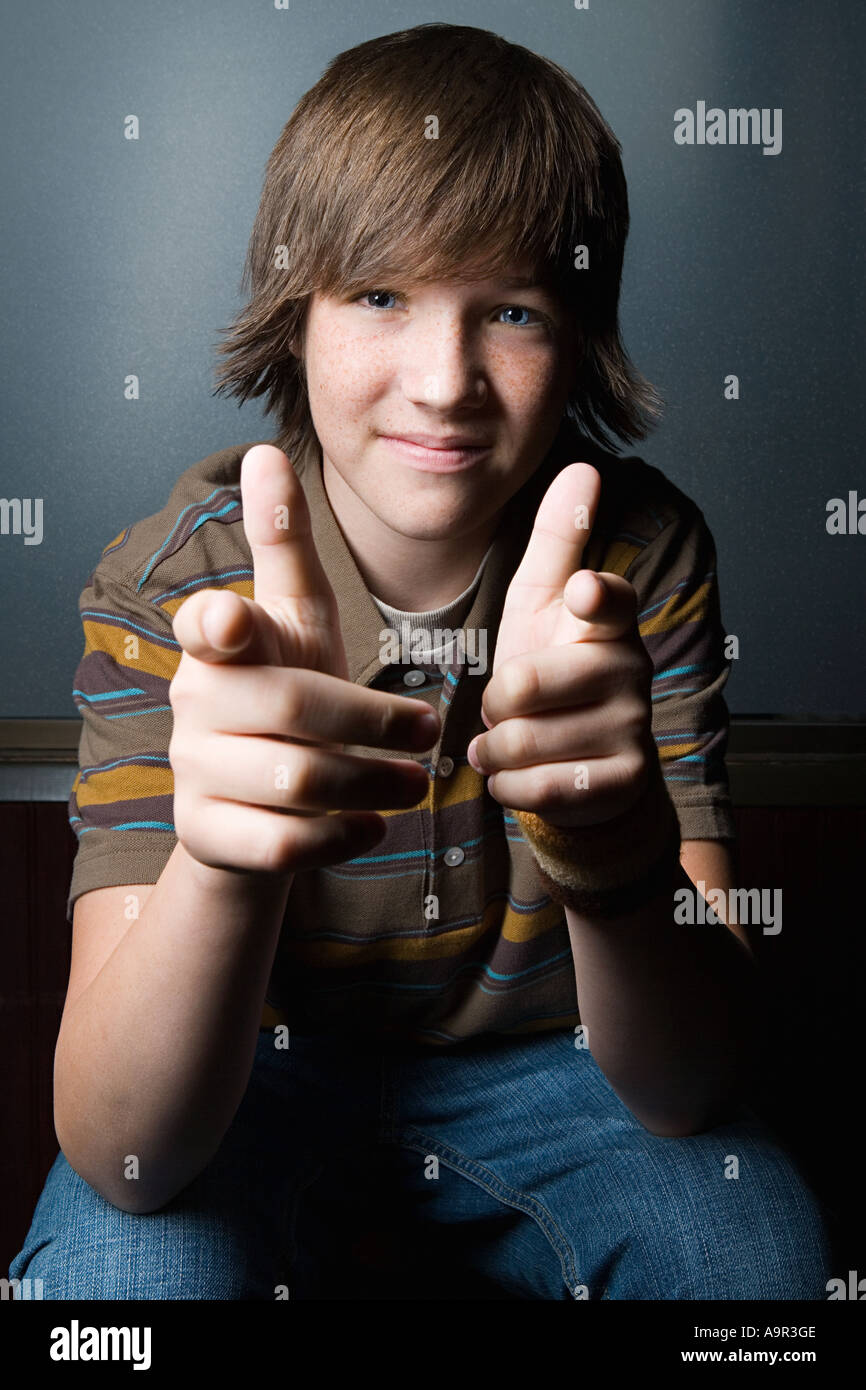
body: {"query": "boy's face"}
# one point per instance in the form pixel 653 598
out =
pixel 488 361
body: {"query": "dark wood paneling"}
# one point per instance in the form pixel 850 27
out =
pixel 36 857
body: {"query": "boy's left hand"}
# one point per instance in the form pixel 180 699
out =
pixel 568 704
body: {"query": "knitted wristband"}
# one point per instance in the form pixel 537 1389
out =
pixel 609 869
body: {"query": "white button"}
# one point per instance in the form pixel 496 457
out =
pixel 414 678
pixel 454 856
pixel 445 767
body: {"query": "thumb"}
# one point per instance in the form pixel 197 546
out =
pixel 279 531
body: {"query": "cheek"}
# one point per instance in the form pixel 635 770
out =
pixel 527 380
pixel 342 369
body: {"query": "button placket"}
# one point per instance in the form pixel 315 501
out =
pixel 442 768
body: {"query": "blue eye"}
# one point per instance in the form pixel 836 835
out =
pixel 521 309
pixel 381 294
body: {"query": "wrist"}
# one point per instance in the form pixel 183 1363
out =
pixel 612 868
pixel 226 883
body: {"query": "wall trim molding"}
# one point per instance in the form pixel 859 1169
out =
pixel 773 760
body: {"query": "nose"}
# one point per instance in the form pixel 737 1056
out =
pixel 441 367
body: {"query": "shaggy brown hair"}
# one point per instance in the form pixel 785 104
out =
pixel 356 194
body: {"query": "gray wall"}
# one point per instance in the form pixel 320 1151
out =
pixel 125 257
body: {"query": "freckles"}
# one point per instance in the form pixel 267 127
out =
pixel 529 378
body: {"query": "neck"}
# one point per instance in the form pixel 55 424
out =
pixel 412 575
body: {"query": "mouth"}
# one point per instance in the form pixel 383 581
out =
pixel 432 454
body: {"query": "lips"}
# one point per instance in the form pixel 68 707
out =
pixel 440 456
pixel 443 441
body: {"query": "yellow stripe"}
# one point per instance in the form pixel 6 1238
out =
pixel 619 556
pixel 462 786
pixel 244 587
pixel 115 642
pixel 677 611
pixel 670 752
pixel 114 542
pixel 128 783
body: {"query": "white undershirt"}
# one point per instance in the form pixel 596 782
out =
pixel 445 619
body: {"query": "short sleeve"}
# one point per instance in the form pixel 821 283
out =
pixel 121 802
pixel 679 616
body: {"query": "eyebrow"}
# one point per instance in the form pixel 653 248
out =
pixel 522 282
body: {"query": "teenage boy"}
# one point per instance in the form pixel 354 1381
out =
pixel 448 871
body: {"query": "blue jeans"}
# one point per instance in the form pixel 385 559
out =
pixel 512 1161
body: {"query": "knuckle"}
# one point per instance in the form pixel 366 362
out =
pixel 293 703
pixel 387 718
pixel 302 776
pixel 548 795
pixel 276 848
pixel 178 753
pixel 180 697
pixel 630 768
pixel 634 716
pixel 642 668
pixel 519 681
pixel 519 743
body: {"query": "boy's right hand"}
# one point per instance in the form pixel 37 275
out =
pixel 262 705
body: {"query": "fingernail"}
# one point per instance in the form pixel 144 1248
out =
pixel 472 756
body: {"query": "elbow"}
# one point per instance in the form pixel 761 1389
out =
pixel 127 1195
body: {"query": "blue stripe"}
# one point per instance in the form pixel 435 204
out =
pixel 444 929
pixel 124 622
pixel 208 579
pixel 110 694
pixel 190 507
pixel 133 825
pixel 155 709
pixel 120 762
pixel 681 670
pixel 683 582
pixel 412 853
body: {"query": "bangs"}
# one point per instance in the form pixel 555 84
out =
pixel 453 163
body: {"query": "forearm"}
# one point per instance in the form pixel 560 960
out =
pixel 154 1057
pixel 670 1010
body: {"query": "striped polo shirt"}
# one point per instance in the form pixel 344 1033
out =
pixel 443 931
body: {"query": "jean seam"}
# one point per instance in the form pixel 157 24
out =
pixel 289 1221
pixel 470 1168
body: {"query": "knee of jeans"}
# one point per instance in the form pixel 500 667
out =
pixel 132 1257
pixel 81 1247
pixel 749 1227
